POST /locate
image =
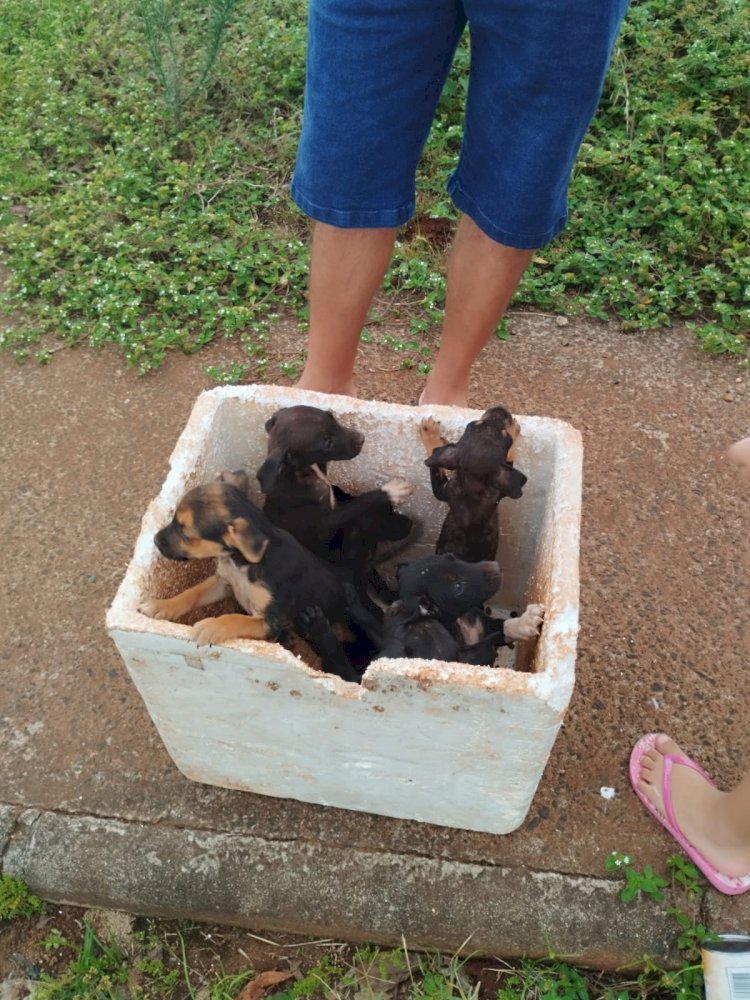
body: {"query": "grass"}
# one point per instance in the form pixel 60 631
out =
pixel 144 203
pixel 162 960
pixel 16 900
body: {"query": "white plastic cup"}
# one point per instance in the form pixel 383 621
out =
pixel 726 967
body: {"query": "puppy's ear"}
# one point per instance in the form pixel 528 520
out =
pixel 510 482
pixel 270 471
pixel 239 478
pixel 444 457
pixel 249 542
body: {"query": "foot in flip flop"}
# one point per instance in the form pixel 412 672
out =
pixel 700 817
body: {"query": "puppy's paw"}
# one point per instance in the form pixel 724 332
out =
pixel 310 616
pixel 398 490
pixel 527 625
pixel 209 631
pixel 311 620
pixel 429 431
pixel 168 609
pixel 224 628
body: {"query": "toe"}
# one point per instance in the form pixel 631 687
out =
pixel 664 744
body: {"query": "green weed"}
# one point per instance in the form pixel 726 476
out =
pixel 227 986
pixel 319 981
pixel 552 979
pixel 149 968
pixel 16 900
pixel 120 225
pixel 165 45
pixel 646 881
pixel 98 970
pixel 685 982
pixel 443 979
pixel 234 372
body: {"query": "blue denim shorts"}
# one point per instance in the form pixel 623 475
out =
pixel 375 70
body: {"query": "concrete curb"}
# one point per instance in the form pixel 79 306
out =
pixel 311 888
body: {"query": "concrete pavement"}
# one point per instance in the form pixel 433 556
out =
pixel 92 809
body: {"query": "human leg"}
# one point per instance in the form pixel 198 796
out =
pixel 375 72
pixel 739 455
pixel 482 276
pixel 346 269
pixel 715 825
pixel 536 75
pixel 714 822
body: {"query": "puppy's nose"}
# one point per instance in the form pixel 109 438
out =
pixel 161 541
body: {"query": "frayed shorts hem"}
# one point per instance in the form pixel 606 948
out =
pixel 382 218
pixel 520 241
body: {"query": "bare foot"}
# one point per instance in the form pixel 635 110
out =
pixel 703 813
pixel 739 455
pixel 443 397
pixel 324 383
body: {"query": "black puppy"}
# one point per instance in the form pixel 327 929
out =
pixel 439 613
pixel 434 593
pixel 299 496
pixel 472 477
pixel 279 583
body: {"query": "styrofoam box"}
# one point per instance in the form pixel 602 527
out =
pixel 444 743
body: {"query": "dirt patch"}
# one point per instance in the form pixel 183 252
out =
pixel 156 952
pixel 23 954
pixel 46 945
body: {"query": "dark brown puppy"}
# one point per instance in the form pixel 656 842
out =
pixel 472 477
pixel 276 580
pixel 342 529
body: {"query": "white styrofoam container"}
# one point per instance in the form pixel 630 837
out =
pixel 444 743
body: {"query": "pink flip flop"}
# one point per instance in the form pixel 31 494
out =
pixel 725 884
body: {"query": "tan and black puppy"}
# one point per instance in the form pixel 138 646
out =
pixel 472 477
pixel 279 583
pixel 344 530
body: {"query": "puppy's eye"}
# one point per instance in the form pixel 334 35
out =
pixel 459 586
pixel 180 531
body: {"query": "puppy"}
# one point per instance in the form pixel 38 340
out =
pixel 280 585
pixel 439 613
pixel 482 473
pixel 299 497
pixel 477 625
pixel 434 593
